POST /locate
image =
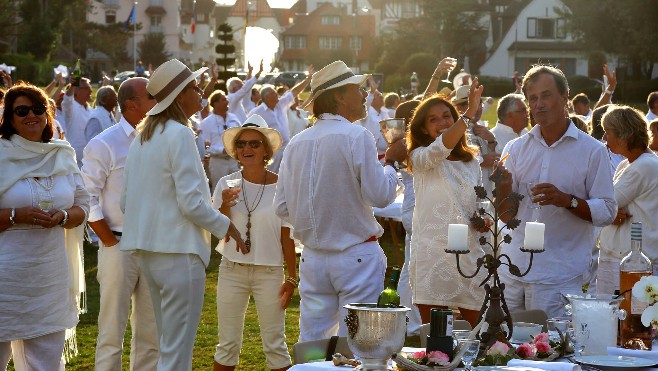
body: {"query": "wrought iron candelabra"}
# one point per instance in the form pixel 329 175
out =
pixel 494 308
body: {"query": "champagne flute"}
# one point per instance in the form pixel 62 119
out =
pixel 472 349
pixel 454 64
pixel 235 185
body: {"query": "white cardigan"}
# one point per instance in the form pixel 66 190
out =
pixel 166 199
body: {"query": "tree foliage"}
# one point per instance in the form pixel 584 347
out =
pixel 626 29
pixel 152 49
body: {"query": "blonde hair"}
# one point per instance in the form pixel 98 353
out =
pixel 629 124
pixel 148 125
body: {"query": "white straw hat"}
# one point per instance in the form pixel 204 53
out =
pixel 167 81
pixel 461 95
pixel 253 122
pixel 331 76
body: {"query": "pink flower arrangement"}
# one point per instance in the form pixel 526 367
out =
pixel 543 347
pixel 498 348
pixel 540 338
pixel 435 358
pixel 526 350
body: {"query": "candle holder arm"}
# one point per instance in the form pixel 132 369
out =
pixel 480 263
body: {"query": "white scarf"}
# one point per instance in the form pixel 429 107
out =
pixel 20 159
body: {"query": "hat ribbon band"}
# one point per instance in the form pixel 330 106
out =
pixel 172 85
pixel 250 125
pixel 333 81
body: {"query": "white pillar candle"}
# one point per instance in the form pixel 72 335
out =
pixel 458 237
pixel 534 236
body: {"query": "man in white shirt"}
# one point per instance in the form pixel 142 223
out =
pixel 212 128
pixel 512 120
pixel 652 103
pixel 573 187
pixel 239 91
pixel 329 181
pixel 254 99
pixel 102 117
pixel 274 110
pixel 581 106
pixel 376 113
pixel 119 275
pixel 76 116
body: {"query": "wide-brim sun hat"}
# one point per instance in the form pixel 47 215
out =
pixel 253 122
pixel 331 76
pixel 461 95
pixel 167 81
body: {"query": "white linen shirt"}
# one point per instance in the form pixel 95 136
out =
pixel 76 117
pixel 235 100
pixel 651 116
pixel 329 181
pixel 278 117
pixel 212 128
pixel 99 120
pixel 166 198
pixel 576 164
pixel 504 134
pixel 102 170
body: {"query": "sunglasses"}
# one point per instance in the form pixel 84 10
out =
pixel 252 143
pixel 22 111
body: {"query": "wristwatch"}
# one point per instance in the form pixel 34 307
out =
pixel 574 203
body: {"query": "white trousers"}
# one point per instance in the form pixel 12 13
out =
pixel 235 283
pixel 177 283
pixel 121 283
pixel 547 297
pixel 220 167
pixel 330 280
pixel 404 290
pixel 43 353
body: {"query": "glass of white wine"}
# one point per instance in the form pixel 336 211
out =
pixel 454 64
pixel 46 202
pixel 472 349
pixel 235 185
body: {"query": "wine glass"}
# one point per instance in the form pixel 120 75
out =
pixel 578 339
pixel 470 354
pixel 459 335
pixel 46 202
pixel 454 64
pixel 529 187
pixel 235 185
pixel 557 326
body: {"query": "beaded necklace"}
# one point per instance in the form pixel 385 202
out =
pixel 250 209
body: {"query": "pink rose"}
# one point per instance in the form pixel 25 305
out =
pixel 439 358
pixel 498 348
pixel 418 355
pixel 542 337
pixel 526 350
pixel 543 347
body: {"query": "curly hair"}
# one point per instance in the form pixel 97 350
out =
pixel 34 94
pixel 417 138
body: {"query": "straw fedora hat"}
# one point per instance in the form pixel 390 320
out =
pixel 253 122
pixel 461 95
pixel 331 76
pixel 167 81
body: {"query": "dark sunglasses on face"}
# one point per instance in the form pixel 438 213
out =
pixel 22 111
pixel 252 143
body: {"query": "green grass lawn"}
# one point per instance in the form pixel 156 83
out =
pixel 251 358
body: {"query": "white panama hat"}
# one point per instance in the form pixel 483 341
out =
pixel 253 122
pixel 167 81
pixel 331 76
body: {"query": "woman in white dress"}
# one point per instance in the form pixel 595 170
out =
pixel 42 198
pixel 636 193
pixel 445 170
pixel 259 271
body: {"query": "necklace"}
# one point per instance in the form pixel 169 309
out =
pixel 250 209
pixel 49 184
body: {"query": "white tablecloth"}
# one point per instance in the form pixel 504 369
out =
pixel 392 211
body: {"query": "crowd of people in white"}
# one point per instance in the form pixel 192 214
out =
pixel 157 166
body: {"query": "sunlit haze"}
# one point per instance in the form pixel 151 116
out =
pixel 286 4
pixel 260 44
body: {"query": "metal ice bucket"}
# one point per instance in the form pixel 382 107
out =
pixel 374 334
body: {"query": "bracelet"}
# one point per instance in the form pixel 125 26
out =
pixel 11 217
pixel 292 281
pixel 66 217
pixel 466 119
pixel 390 163
pixel 492 142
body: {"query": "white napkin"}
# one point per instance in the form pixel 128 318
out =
pixel 647 354
pixel 552 366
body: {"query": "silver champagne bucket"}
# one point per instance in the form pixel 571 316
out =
pixel 374 334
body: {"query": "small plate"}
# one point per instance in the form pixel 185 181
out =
pixel 615 362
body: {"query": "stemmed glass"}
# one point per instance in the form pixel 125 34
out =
pixel 454 64
pixel 578 338
pixel 470 354
pixel 459 335
pixel 557 326
pixel 235 184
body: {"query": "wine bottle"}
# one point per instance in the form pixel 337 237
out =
pixel 77 74
pixel 634 266
pixel 389 297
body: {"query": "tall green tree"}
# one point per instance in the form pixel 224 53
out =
pixel 153 50
pixel 626 29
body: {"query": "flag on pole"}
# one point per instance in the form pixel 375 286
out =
pixel 130 21
pixel 193 22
